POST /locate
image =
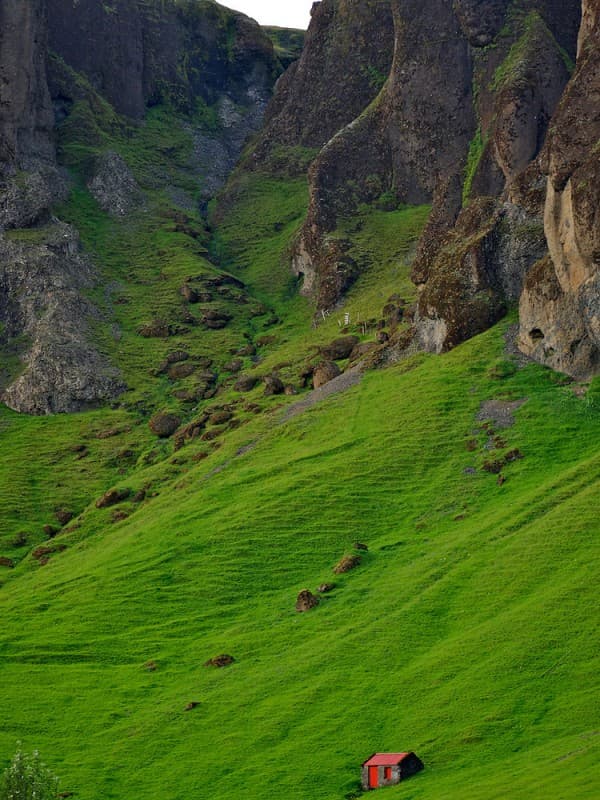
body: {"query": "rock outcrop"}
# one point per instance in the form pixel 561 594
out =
pixel 560 305
pixel 491 128
pixel 57 56
pixel 43 277
pixel 449 123
pixel 135 54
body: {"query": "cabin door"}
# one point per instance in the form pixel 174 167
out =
pixel 373 777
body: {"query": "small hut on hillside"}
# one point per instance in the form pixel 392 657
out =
pixel 388 769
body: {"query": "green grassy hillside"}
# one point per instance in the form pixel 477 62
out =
pixel 468 632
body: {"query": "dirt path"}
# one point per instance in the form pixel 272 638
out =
pixel 340 384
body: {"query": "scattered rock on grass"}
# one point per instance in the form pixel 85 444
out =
pixel 246 383
pixel 112 497
pixel 273 385
pixel 346 564
pixel 164 425
pixel 177 356
pixel 50 531
pixel 191 706
pixel 191 431
pixel 178 372
pixel 360 546
pixel 325 588
pixel 6 562
pixel 306 601
pixel 220 417
pixel 43 552
pixel 224 660
pixel 151 666
pixel 339 348
pixel 189 294
pixel 63 515
pixel 234 366
pixel 326 371
pixel 501 412
pixel 158 329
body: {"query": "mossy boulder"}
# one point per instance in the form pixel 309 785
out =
pixel 164 424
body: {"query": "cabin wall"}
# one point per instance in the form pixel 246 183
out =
pixel 395 778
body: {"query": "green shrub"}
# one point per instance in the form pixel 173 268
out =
pixel 27 778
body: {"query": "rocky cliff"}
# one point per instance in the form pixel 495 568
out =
pixel 479 114
pixel 560 304
pixel 76 72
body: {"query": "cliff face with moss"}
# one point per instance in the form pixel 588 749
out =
pixel 79 75
pixel 560 305
pixel 481 111
pixel 486 110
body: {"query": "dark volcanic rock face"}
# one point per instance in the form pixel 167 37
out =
pixel 346 59
pixel 480 20
pixel 55 54
pixel 42 280
pixel 560 306
pixel 25 111
pixel 139 53
pixel 416 130
pixel 462 121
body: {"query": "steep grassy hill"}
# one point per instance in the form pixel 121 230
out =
pixel 468 631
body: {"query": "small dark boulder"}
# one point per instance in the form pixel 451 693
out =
pixel 189 294
pixel 306 375
pixel 246 383
pixel 339 348
pixel 325 372
pixel 234 366
pixel 246 350
pixel 220 417
pixel 112 497
pixel 325 588
pixel 213 433
pixel 191 706
pixel 223 660
pixel 346 564
pixel 164 425
pixel 360 546
pixel 177 356
pixel 158 329
pixel 273 385
pixel 361 350
pixel 50 531
pixel 306 601
pixel 190 432
pixel 63 515
pixel 6 562
pixel 382 337
pixel 180 371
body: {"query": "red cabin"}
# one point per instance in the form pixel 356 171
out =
pixel 388 769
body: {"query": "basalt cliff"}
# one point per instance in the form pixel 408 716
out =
pixel 487 110
pixel 70 74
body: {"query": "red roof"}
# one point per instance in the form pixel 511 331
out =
pixel 385 759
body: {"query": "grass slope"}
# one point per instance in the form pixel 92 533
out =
pixel 468 633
